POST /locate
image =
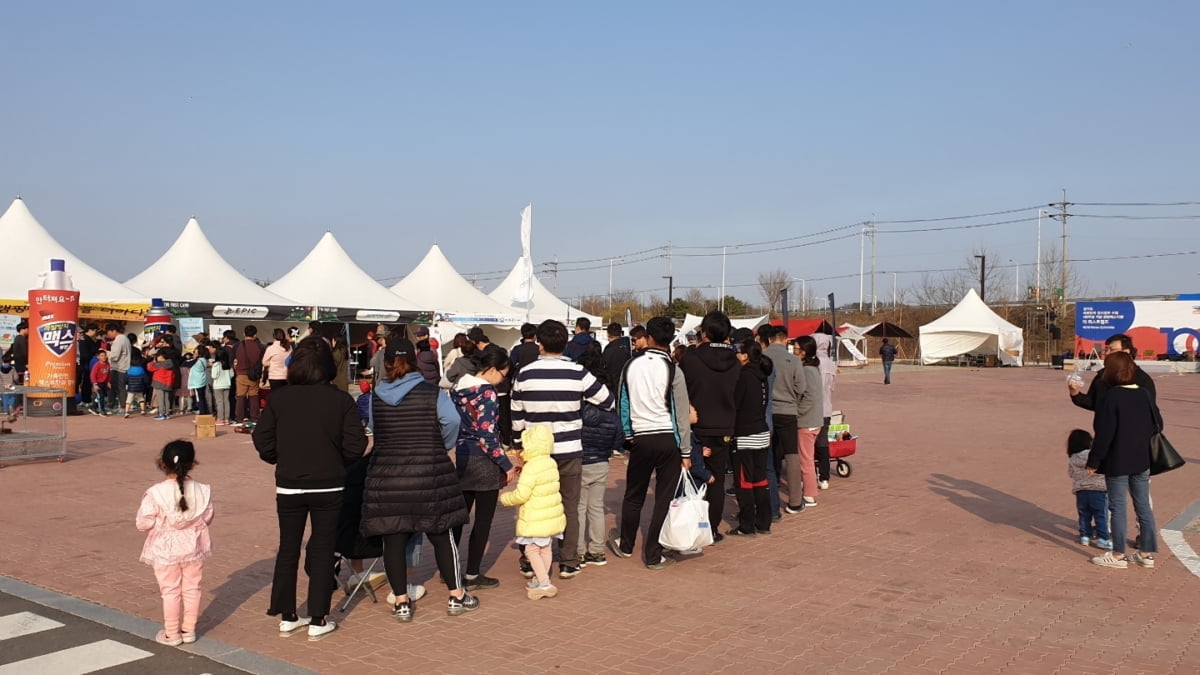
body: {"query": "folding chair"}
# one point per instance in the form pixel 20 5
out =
pixel 364 580
pixel 351 545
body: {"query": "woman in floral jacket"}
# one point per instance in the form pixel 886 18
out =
pixel 483 467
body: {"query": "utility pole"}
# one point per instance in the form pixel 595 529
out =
pixel 610 279
pixel 1062 216
pixel 862 248
pixel 554 271
pixel 670 291
pixel 982 276
pixel 872 267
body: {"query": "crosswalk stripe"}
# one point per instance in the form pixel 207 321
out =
pixel 24 623
pixel 77 660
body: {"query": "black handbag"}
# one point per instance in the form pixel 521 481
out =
pixel 1163 456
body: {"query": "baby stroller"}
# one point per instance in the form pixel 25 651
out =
pixel 351 545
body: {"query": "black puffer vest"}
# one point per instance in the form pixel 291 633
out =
pixel 411 484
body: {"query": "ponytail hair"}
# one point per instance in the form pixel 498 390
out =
pixel 178 457
pixel 756 359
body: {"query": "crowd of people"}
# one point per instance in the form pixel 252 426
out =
pixel 420 458
pixel 536 428
pixel 121 375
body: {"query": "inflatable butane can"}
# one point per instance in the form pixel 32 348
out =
pixel 53 330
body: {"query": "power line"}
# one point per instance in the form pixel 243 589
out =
pixel 945 218
pixel 1137 203
pixel 1125 217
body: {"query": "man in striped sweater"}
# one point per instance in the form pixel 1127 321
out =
pixel 551 391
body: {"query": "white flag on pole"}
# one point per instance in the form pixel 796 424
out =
pixel 523 293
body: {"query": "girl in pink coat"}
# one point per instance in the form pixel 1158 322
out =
pixel 175 513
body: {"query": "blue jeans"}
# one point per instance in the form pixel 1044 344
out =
pixel 887 372
pixel 1137 489
pixel 1093 507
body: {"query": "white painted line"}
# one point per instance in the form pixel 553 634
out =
pixel 24 623
pixel 1180 548
pixel 77 660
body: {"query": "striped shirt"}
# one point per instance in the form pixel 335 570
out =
pixel 551 391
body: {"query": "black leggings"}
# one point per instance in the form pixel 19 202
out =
pixel 485 511
pixel 822 448
pixel 445 552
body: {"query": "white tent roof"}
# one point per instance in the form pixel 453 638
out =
pixel 28 249
pixel 434 283
pixel 545 304
pixel 971 328
pixel 327 277
pixel 691 322
pixel 192 257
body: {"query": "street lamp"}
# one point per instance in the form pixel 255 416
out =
pixel 1016 280
pixel 803 295
pixel 610 279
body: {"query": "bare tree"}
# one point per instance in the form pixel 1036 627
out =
pixel 947 288
pixel 771 283
pixel 1052 266
pixel 699 303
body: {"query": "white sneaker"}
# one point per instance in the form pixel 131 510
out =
pixel 823 485
pixel 316 632
pixel 286 628
pixel 415 592
pixel 809 502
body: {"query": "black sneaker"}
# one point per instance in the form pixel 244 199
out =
pixel 467 603
pixel 738 532
pixel 794 509
pixel 403 611
pixel 526 568
pixel 479 582
pixel 597 559
pixel 663 563
pixel 614 544
pixel 761 531
pixel 568 571
pixel 718 538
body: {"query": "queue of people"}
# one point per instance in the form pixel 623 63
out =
pixel 441 460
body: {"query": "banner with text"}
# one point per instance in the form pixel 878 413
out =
pixel 1167 327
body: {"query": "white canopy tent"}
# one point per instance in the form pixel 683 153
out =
pixel 434 283
pixel 971 328
pixel 691 322
pixel 173 278
pixel 329 279
pixel 28 248
pixel 545 305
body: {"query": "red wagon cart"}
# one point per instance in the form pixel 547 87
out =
pixel 839 450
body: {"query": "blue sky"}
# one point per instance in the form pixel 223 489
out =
pixel 628 125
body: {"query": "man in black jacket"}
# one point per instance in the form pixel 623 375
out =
pixel 712 371
pixel 1094 396
pixel 527 352
pixel 616 353
pixel 89 345
pixel 20 352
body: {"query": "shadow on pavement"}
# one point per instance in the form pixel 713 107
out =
pixel 240 587
pixel 1000 507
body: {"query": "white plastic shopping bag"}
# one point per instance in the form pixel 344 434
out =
pixel 687 526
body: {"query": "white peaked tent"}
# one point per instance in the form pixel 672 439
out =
pixel 545 305
pixel 971 328
pixel 328 278
pixel 173 276
pixel 691 322
pixel 434 283
pixel 28 248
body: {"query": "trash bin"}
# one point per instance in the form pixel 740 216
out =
pixel 1056 361
pixel 989 361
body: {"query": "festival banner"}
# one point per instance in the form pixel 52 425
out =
pixel 1167 328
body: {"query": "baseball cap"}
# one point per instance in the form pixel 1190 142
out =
pixel 476 334
pixel 401 348
pixel 421 332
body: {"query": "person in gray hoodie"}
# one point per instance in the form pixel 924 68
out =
pixel 785 397
pixel 808 419
pixel 118 363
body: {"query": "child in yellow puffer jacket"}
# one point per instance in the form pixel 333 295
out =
pixel 541 518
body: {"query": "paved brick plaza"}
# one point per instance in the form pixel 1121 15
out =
pixel 950 549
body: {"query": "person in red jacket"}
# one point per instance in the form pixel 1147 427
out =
pixel 163 383
pixel 100 377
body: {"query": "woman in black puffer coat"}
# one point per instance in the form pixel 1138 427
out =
pixel 411 483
